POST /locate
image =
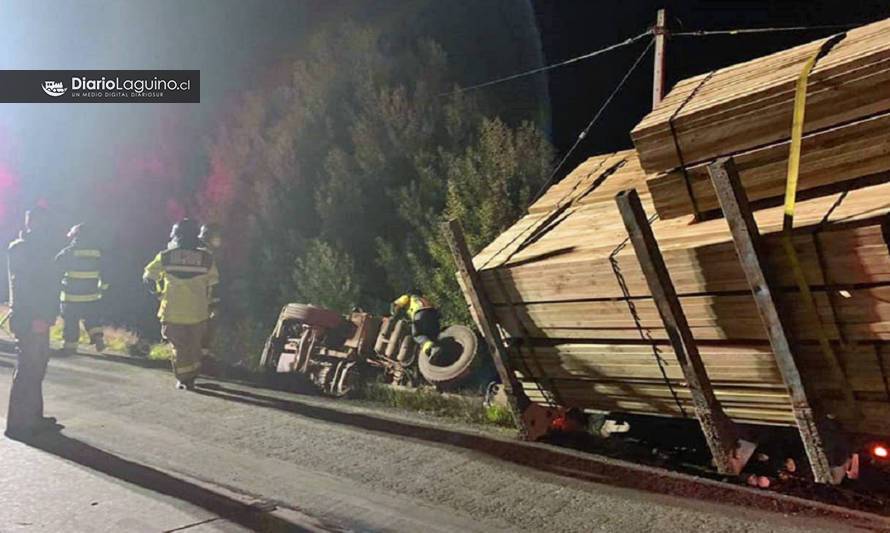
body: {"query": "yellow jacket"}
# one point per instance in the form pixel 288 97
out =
pixel 411 304
pixel 184 278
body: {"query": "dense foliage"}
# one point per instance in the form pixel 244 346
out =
pixel 331 185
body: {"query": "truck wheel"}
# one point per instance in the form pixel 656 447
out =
pixel 304 351
pixel 311 315
pixel 457 352
pixel 269 357
pixel 345 379
pixel 394 340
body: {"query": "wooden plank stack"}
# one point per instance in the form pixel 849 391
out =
pixel 746 110
pixel 567 283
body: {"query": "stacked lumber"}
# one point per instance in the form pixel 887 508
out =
pixel 745 110
pixel 565 281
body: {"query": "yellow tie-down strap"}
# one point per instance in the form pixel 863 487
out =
pixel 800 101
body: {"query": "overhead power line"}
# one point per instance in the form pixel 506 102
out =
pixel 580 138
pixel 586 130
pixel 740 31
pixel 545 68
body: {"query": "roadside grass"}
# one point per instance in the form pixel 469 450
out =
pixel 117 340
pixel 463 408
pixel 161 351
pixel 469 409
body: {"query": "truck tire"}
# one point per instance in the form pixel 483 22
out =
pixel 395 339
pixel 269 358
pixel 311 315
pixel 457 351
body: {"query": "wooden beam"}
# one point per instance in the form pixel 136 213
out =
pixel 746 236
pixel 480 308
pixel 720 432
pixel 660 31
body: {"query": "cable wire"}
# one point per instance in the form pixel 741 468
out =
pixel 545 68
pixel 590 124
pixel 565 158
pixel 740 31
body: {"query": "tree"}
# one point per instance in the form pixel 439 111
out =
pixel 337 177
pixel 325 276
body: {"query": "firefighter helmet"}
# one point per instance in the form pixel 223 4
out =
pixel 185 230
pixel 76 231
pixel 35 217
pixel 209 232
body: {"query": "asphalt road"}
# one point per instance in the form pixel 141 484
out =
pixel 348 467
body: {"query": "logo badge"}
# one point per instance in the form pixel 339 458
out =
pixel 54 88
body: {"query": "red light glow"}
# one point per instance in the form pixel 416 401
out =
pixel 881 452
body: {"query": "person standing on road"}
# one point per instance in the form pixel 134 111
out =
pixel 34 300
pixel 424 319
pixel 82 289
pixel 211 240
pixel 183 276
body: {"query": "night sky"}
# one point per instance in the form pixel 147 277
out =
pixel 573 27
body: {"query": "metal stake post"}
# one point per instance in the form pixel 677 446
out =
pixel 746 236
pixel 719 430
pixel 482 313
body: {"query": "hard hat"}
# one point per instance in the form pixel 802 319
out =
pixel 35 217
pixel 186 229
pixel 209 231
pixel 76 231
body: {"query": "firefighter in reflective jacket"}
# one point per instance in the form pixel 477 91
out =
pixel 424 319
pixel 82 288
pixel 182 276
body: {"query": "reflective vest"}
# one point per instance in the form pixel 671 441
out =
pixel 412 303
pixel 185 279
pixel 82 278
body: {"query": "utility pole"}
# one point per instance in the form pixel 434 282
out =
pixel 661 33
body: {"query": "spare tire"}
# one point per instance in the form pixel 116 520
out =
pixel 311 315
pixel 457 352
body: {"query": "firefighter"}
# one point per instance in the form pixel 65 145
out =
pixel 34 300
pixel 82 289
pixel 211 240
pixel 424 319
pixel 182 277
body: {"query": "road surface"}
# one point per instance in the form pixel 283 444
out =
pixel 152 458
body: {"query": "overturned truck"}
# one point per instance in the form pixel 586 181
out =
pixel 677 280
pixel 336 352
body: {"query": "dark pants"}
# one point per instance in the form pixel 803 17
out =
pixel 26 394
pixel 75 312
pixel 425 326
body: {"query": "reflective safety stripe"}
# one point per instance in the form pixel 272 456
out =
pixel 186 268
pixel 82 274
pixel 78 298
pixel 87 253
